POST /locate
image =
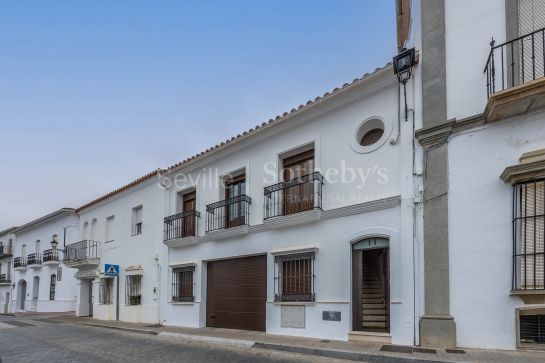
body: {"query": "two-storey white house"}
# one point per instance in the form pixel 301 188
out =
pixel 7 241
pixel 481 91
pixel 302 225
pixel 122 228
pixel 40 281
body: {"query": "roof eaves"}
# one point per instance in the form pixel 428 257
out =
pixel 120 189
pixel 274 121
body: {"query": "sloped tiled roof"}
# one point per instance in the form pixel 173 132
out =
pixel 120 189
pixel 278 118
pixel 233 139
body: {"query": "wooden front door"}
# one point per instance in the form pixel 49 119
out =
pixel 189 204
pixel 234 213
pixel 237 293
pixel 299 193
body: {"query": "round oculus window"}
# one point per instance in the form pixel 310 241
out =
pixel 371 137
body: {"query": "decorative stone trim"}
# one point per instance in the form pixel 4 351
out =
pixel 183 264
pixel 228 232
pixel 516 100
pixel 432 136
pixel 185 241
pixel 294 219
pixel 531 166
pixel 294 249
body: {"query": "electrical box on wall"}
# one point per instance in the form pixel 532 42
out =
pixel 292 316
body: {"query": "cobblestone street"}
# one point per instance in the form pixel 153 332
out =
pixel 49 340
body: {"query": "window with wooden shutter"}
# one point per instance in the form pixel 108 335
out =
pixel 529 236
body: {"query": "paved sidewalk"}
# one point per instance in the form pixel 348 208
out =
pixel 368 352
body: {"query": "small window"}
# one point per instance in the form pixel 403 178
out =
pixel 52 286
pixel 294 277
pixel 371 137
pixel 59 273
pixel 529 243
pixel 532 330
pixel 133 290
pixel 105 291
pixel 109 228
pixel 182 284
pixel 137 220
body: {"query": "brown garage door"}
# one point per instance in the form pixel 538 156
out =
pixel 237 293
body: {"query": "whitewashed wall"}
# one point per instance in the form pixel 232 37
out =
pixel 65 290
pixel 125 249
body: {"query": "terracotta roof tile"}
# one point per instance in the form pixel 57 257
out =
pixel 232 139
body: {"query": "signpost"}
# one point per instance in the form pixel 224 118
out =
pixel 113 270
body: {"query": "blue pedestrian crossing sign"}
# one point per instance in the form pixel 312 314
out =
pixel 111 270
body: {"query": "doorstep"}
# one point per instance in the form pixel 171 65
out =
pixel 350 350
pixel 373 337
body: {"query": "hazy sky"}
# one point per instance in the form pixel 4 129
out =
pixel 94 94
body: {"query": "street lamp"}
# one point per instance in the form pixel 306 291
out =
pixel 403 67
pixel 54 243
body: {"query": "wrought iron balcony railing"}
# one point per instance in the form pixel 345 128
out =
pixel 34 259
pixel 515 62
pixel 81 251
pixel 293 196
pixel 5 278
pixel 228 213
pixel 19 262
pixel 181 225
pixel 51 255
pixel 6 250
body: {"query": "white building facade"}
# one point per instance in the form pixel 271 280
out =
pixel 483 133
pixel 7 243
pixel 301 226
pixel 123 228
pixel 40 281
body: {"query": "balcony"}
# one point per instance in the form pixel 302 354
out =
pixel 19 263
pixel 295 201
pixel 6 251
pixel 181 229
pixel 82 254
pixel 5 279
pixel 34 260
pixel 51 257
pixel 515 76
pixel 228 217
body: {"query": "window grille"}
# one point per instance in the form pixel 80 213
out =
pixel 105 291
pixel 133 290
pixel 529 236
pixel 52 286
pixel 294 277
pixel 182 284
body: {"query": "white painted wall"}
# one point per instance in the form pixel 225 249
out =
pixel 480 229
pixel 331 126
pixel 65 290
pixel 470 26
pixel 126 249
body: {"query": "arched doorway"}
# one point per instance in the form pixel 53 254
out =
pixel 21 295
pixel 35 292
pixel 371 285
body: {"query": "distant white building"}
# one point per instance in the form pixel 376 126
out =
pixel 40 280
pixel 7 243
pixel 122 228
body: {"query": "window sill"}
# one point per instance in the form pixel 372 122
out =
pixel 181 302
pixel 137 234
pixel 302 303
pixel 112 240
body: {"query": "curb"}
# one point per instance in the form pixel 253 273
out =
pixel 343 354
pixel 7 314
pixel 132 330
pixel 208 339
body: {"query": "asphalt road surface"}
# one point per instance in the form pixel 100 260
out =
pixel 48 340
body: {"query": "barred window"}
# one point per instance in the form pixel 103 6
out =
pixel 294 277
pixel 529 236
pixel 59 273
pixel 52 286
pixel 105 291
pixel 133 290
pixel 182 284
